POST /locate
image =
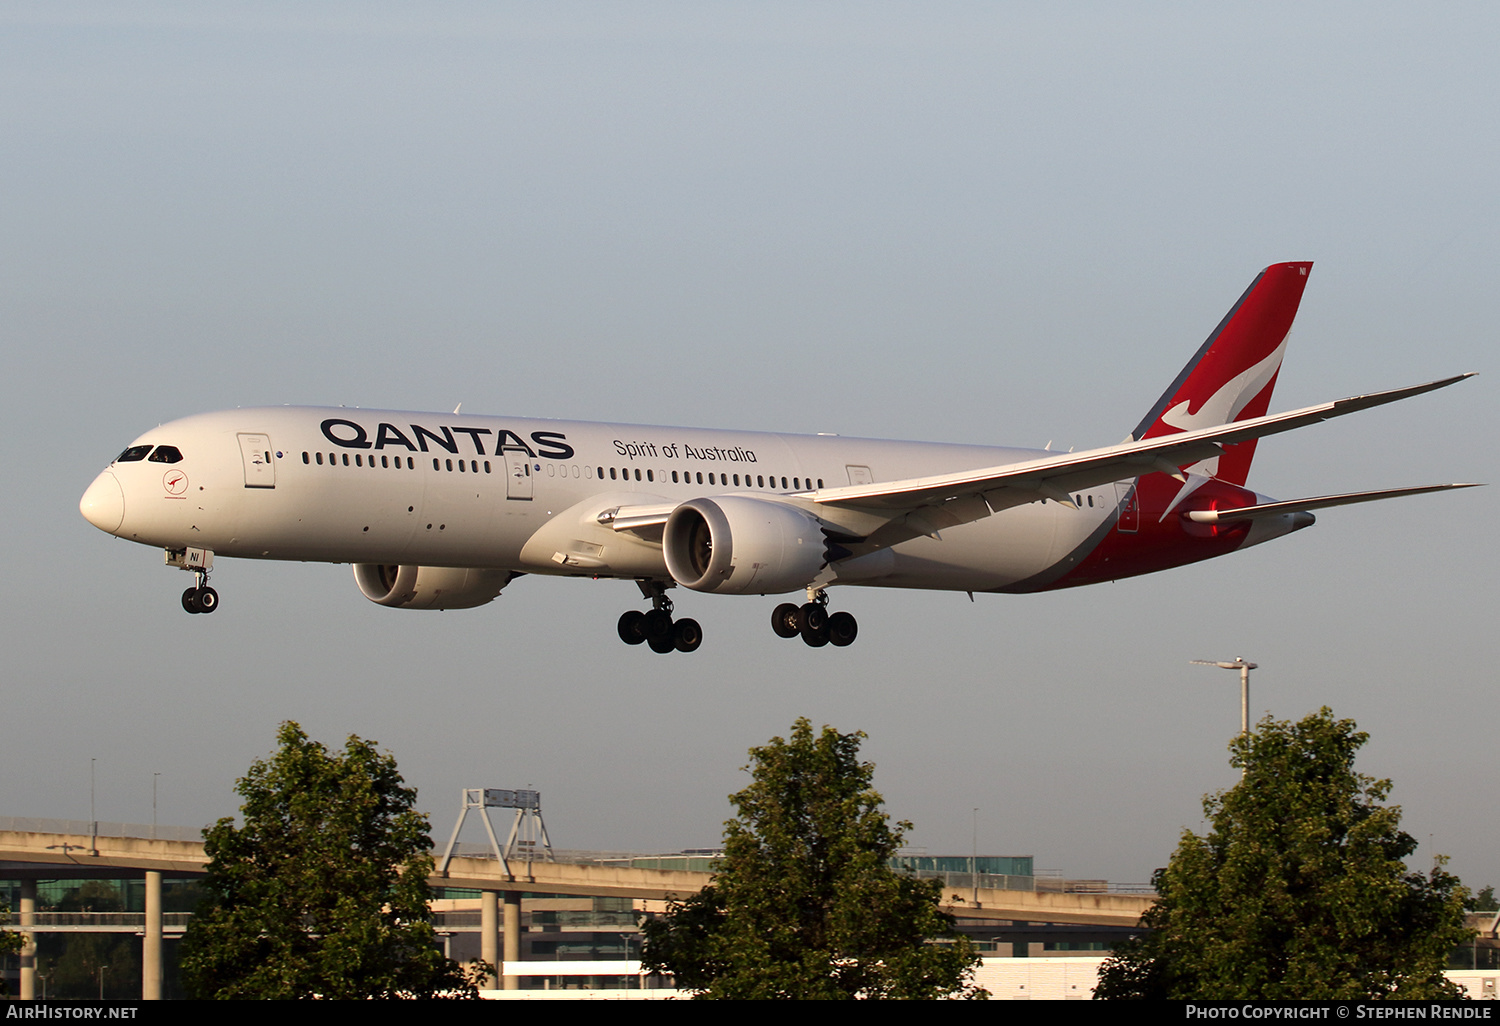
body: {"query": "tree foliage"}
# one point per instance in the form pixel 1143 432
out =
pixel 323 892
pixel 804 902
pixel 1299 891
pixel 10 943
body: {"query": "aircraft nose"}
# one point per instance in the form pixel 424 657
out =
pixel 103 505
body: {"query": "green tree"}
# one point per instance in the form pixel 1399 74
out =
pixel 10 944
pixel 323 892
pixel 804 902
pixel 1299 891
pixel 1484 901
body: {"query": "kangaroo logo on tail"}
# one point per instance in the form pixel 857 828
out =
pixel 1232 375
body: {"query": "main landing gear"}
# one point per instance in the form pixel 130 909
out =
pixel 812 621
pixel 656 627
pixel 200 598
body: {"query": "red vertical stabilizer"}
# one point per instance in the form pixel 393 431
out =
pixel 1231 377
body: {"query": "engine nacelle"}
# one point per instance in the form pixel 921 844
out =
pixel 429 587
pixel 737 545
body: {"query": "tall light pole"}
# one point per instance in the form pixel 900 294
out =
pixel 974 860
pixel 93 816
pixel 1244 668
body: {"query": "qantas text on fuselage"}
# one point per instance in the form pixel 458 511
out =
pixel 443 511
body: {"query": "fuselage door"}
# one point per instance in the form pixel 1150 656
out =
pixel 1128 506
pixel 859 475
pixel 518 476
pixel 260 471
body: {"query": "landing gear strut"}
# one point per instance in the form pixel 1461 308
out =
pixel 656 627
pixel 813 623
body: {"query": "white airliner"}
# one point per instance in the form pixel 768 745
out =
pixel 442 511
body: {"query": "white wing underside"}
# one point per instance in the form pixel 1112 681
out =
pixel 926 505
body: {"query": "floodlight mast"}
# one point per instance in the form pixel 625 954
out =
pixel 1244 668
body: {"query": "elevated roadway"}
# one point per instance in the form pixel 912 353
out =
pixel 588 879
pixel 32 854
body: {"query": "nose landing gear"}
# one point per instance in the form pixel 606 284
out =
pixel 200 598
pixel 656 627
pixel 813 623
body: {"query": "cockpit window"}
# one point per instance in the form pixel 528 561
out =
pixel 166 454
pixel 134 453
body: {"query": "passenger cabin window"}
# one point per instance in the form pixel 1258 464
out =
pixel 133 454
pixel 166 454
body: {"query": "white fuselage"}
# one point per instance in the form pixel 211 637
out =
pixel 369 486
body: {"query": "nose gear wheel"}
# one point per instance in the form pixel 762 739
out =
pixel 200 598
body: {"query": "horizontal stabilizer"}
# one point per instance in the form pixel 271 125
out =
pixel 1270 509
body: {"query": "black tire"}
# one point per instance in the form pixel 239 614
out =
pixel 657 624
pixel 208 600
pixel 687 635
pixel 662 646
pixel 842 629
pixel 812 617
pixel 784 621
pixel 816 639
pixel 632 627
pixel 190 600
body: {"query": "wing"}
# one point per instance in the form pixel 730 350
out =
pixel 883 514
pixel 950 499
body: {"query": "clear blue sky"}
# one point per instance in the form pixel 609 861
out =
pixel 984 222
